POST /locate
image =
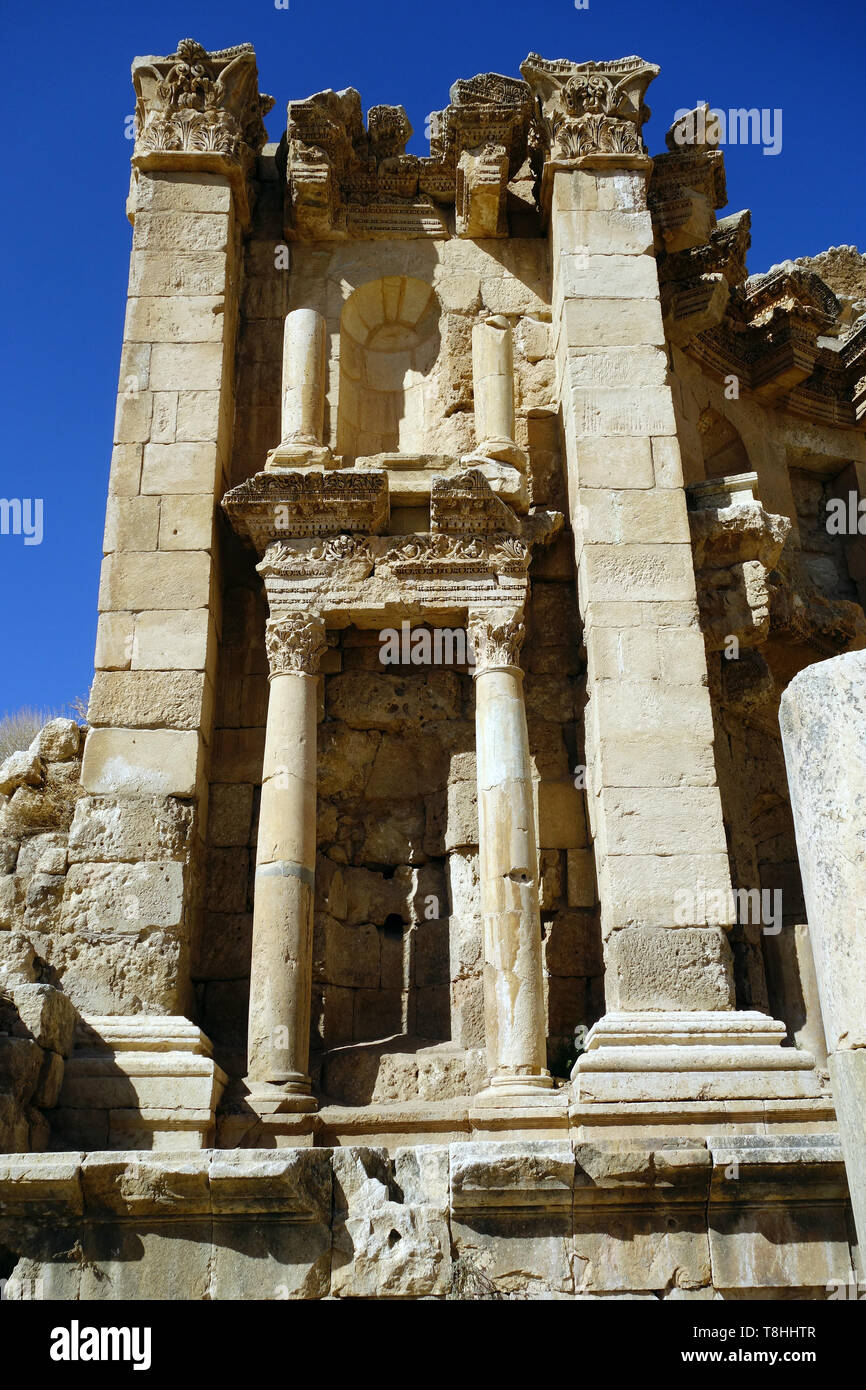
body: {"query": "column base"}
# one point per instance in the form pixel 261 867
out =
pixel 294 456
pixel 506 1090
pixel 285 1098
pixel 686 1057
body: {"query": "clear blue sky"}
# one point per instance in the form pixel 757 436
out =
pixel 65 97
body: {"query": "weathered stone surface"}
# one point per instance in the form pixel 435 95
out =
pixel 129 829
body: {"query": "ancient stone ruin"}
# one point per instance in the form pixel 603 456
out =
pixel 422 913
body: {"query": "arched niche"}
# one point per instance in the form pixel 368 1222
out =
pixel 389 343
pixel 723 450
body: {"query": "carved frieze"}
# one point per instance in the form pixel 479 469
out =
pixel 201 110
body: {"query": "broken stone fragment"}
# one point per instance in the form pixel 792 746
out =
pixel 58 741
pixel 19 770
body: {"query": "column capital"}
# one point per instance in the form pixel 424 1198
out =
pixel 295 644
pixel 590 115
pixel 201 111
pixel 496 638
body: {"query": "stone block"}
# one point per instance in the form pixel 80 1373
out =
pixel 678 968
pixel 636 573
pixel 129 829
pixel 175 319
pixel 561 820
pixel 166 641
pixel 150 699
pixel 598 322
pixel 614 461
pixel 121 974
pixel 123 898
pixel 186 523
pixel 179 191
pixel 166 231
pixel 605 410
pixel 148 580
pixel 582 890
pixel 114 637
pixel 186 367
pixel 180 469
pixel 141 762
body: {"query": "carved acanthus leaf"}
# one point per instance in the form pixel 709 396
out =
pixel 496 639
pixel 295 644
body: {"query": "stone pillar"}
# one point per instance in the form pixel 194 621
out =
pixel 303 392
pixel 508 857
pixel 279 1026
pixel 823 720
pixel 655 807
pixel 654 804
pixel 493 382
pixel 145 768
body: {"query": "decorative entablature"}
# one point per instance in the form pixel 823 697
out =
pixel 321 556
pixel 343 179
pixel 589 115
pixel 201 111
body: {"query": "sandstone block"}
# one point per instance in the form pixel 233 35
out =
pixel 581 880
pixel 129 829
pixel 178 191
pixel 166 641
pixel 615 461
pixel 561 820
pixel 191 231
pixel 141 762
pixel 23 769
pixel 679 968
pixel 149 699
pixel 130 973
pixel 186 523
pixel 123 897
pixel 613 322
pixel 144 581
pixel 187 367
pixel 46 1015
pixel 114 635
pixel 180 468
pixel 179 319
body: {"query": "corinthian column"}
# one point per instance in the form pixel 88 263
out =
pixel 513 975
pixel 279 1029
pixel 303 393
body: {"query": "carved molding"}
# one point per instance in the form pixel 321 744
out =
pixel 200 110
pixel 295 644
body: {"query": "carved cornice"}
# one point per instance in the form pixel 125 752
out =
pixel 295 643
pixel 336 169
pixel 496 640
pixel 273 506
pixel 200 110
